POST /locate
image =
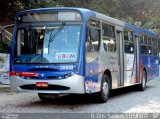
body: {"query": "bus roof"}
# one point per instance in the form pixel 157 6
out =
pixel 83 11
pixel 126 25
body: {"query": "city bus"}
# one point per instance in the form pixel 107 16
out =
pixel 57 51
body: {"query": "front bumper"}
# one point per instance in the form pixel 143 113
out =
pixel 74 83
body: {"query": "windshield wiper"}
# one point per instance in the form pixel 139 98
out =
pixel 53 34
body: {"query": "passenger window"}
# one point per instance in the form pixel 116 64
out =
pixel 145 39
pixel 129 48
pixel 141 39
pixel 109 41
pixel 92 40
pixel 128 35
pixel 155 46
pixel 149 40
pixel 154 41
pixel 149 46
pixel 149 50
pixel 155 52
pixel 128 42
pixel 143 49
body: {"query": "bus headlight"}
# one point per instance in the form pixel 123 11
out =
pixel 59 77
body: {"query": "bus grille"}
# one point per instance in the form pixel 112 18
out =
pixel 50 87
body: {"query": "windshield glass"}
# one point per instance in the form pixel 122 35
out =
pixel 56 44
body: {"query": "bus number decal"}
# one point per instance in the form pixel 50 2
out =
pixel 67 67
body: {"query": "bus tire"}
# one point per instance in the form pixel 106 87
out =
pixel 142 86
pixel 103 95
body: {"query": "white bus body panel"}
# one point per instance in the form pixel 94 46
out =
pixel 75 83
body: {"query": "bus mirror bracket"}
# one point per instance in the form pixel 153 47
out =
pixel 3 32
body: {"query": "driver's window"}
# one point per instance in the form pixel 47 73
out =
pixel 92 40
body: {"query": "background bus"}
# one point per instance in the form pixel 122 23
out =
pixel 74 50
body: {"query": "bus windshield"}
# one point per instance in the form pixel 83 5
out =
pixel 47 44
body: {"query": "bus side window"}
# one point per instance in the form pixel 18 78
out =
pixel 109 41
pixel 93 38
pixel 128 42
pixel 143 49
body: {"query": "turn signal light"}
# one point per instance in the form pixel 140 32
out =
pixel 12 73
pixel 25 73
pixel 22 73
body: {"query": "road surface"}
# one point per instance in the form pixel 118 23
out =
pixel 126 100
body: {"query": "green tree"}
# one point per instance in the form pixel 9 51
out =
pixel 4 48
pixel 144 13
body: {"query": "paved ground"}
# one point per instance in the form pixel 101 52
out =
pixel 121 100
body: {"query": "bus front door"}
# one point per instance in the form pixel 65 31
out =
pixel 120 50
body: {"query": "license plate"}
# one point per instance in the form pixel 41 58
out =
pixel 42 84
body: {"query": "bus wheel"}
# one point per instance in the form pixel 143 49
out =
pixel 142 86
pixel 103 95
pixel 46 97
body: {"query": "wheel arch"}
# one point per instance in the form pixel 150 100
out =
pixel 108 73
pixel 145 70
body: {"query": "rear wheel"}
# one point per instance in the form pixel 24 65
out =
pixel 103 95
pixel 142 86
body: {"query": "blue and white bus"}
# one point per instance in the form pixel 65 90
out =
pixel 79 51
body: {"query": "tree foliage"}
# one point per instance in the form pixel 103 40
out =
pixel 4 48
pixel 144 13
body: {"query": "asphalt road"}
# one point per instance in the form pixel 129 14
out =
pixel 126 100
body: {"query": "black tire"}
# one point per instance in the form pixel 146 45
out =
pixel 142 86
pixel 103 95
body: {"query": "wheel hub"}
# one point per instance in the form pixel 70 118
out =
pixel 105 89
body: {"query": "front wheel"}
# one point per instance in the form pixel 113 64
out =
pixel 103 95
pixel 142 86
